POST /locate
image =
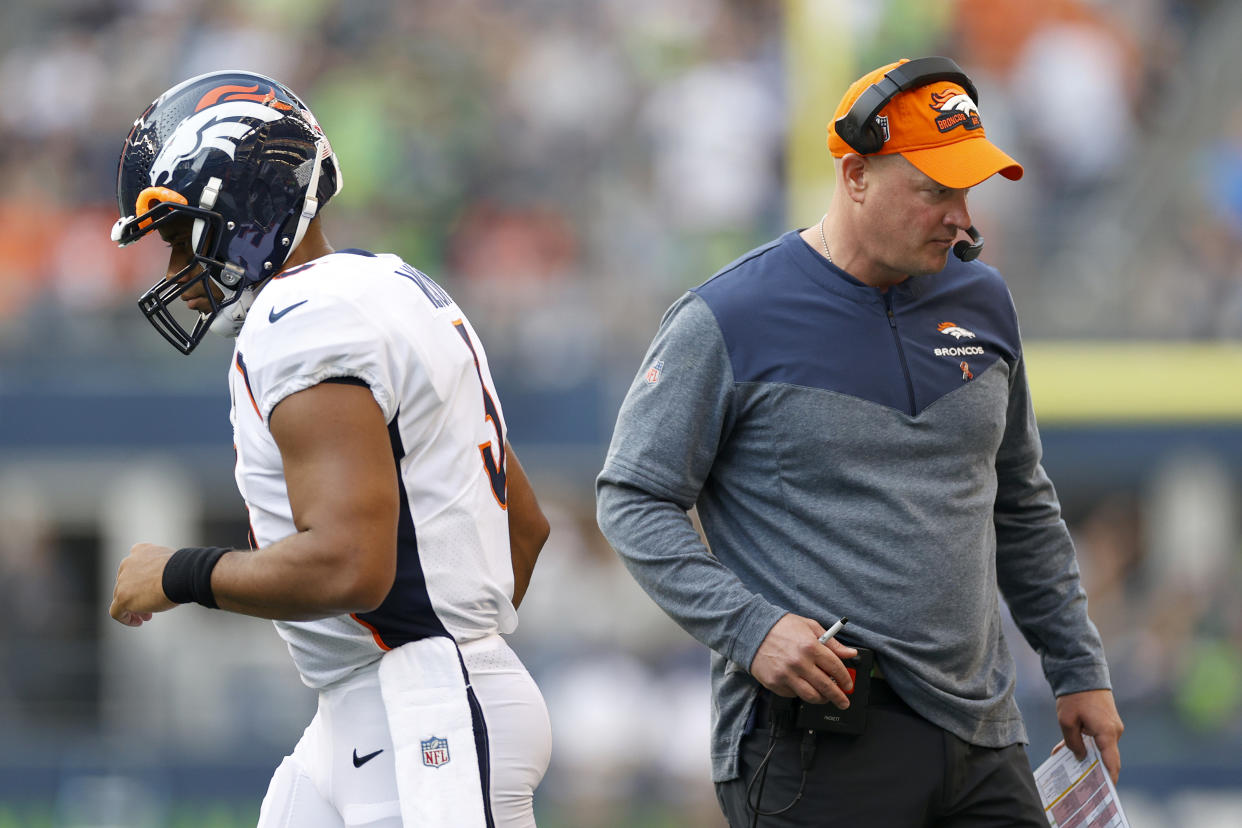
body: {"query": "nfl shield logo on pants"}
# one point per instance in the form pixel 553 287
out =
pixel 435 752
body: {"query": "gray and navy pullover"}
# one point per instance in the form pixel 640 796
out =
pixel 851 452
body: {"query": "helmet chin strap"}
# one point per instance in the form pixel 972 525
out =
pixel 211 191
pixel 310 206
pixel 228 322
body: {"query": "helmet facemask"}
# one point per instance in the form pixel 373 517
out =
pixel 184 329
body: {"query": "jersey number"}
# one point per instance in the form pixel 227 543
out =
pixel 493 458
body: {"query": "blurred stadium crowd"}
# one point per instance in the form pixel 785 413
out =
pixel 566 169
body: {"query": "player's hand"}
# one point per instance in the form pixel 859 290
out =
pixel 792 662
pixel 1093 712
pixel 139 589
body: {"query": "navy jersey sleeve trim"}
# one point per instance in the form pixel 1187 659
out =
pixel 348 381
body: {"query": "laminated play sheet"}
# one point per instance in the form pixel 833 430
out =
pixel 1079 794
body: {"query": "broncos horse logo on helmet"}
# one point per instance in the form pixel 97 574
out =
pixel 219 127
pixel 241 157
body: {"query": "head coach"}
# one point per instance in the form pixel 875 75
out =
pixel 847 407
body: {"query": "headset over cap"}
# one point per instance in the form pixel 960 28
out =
pixel 927 110
pixel 244 160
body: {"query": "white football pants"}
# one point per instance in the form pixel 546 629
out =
pixel 342 775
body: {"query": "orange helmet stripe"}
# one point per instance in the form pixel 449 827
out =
pixel 234 93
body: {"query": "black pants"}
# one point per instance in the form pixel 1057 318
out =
pixel 902 772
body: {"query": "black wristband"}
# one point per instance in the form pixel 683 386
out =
pixel 187 575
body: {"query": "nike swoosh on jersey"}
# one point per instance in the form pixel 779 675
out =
pixel 359 761
pixel 274 316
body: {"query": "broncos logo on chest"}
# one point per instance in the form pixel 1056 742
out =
pixel 955 331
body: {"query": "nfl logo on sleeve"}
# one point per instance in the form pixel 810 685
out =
pixel 435 751
pixel 653 373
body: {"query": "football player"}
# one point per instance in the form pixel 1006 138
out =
pixel 393 530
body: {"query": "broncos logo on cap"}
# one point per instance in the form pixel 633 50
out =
pixel 956 110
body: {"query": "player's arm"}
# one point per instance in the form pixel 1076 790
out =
pixel 528 527
pixel 342 485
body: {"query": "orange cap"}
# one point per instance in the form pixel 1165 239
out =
pixel 936 127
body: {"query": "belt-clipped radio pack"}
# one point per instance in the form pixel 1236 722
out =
pixel 832 719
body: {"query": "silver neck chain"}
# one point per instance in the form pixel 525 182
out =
pixel 824 239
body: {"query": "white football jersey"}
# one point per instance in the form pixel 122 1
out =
pixel 373 318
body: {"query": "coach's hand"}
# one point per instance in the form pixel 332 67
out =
pixel 1093 712
pixel 139 589
pixel 792 662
